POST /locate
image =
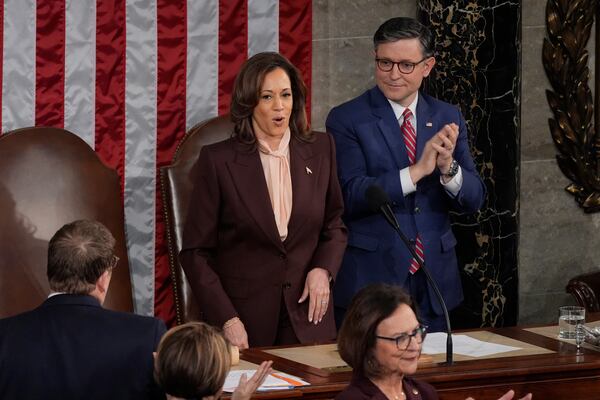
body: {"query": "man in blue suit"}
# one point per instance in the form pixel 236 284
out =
pixel 70 347
pixel 415 148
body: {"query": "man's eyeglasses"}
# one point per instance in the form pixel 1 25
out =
pixel 403 340
pixel 405 67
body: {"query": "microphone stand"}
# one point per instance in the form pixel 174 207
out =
pixel 391 218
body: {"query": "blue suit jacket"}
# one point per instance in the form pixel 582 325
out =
pixel 72 348
pixel 371 150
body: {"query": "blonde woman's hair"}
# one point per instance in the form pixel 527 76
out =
pixel 192 361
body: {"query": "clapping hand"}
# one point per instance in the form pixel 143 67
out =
pixel 246 387
pixel 445 145
pixel 509 396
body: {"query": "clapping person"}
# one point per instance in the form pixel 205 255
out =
pixel 381 339
pixel 192 361
pixel 264 237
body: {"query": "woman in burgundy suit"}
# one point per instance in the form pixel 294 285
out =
pixel 264 237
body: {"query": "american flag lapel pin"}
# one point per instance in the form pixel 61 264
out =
pixel 428 124
pixel 308 171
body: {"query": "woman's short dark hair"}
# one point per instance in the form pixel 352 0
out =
pixel 192 361
pixel 356 338
pixel 246 95
pixel 398 28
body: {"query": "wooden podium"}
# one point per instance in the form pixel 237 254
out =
pixel 546 366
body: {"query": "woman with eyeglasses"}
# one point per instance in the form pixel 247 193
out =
pixel 381 339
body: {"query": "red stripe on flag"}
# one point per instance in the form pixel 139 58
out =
pixel 50 63
pixel 170 127
pixel 110 83
pixel 233 47
pixel 295 38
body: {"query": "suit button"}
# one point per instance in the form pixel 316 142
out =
pixel 282 256
pixel 417 210
pixel 287 285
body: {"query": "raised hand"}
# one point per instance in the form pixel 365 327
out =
pixel 445 145
pixel 246 387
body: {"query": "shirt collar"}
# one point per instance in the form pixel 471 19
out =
pixel 283 144
pixel 399 109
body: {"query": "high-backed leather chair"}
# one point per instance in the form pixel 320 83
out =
pixel 585 289
pixel 50 177
pixel 177 184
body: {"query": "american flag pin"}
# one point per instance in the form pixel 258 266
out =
pixel 428 124
pixel 308 171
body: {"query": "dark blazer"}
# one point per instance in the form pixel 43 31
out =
pixel 72 348
pixel 361 388
pixel 232 253
pixel 371 150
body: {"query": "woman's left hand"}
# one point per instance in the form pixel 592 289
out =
pixel 246 387
pixel 316 288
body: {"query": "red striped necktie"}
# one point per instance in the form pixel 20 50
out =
pixel 410 140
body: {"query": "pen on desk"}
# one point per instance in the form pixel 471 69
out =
pixel 288 380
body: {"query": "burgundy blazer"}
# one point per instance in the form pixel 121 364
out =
pixel 361 388
pixel 232 254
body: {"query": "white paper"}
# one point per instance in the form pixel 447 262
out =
pixel 270 383
pixel 435 343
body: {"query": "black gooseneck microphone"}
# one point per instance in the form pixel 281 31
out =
pixel 379 201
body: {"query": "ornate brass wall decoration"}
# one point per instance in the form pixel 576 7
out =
pixel 565 60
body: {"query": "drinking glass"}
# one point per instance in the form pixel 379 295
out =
pixel 570 319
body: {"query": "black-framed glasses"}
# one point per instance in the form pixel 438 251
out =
pixel 403 340
pixel 405 67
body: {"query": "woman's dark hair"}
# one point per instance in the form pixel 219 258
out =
pixel 246 94
pixel 192 361
pixel 357 336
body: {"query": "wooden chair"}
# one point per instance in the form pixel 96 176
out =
pixel 176 189
pixel 50 177
pixel 585 289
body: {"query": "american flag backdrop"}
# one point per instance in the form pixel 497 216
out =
pixel 130 77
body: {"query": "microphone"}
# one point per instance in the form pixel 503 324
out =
pixel 379 201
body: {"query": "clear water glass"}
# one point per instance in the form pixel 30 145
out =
pixel 570 321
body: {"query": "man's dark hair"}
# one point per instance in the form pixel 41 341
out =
pixel 399 28
pixel 78 254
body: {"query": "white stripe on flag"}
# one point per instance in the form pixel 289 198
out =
pixel 18 73
pixel 140 148
pixel 80 69
pixel 263 26
pixel 202 61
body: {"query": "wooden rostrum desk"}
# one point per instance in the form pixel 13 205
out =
pixel 550 369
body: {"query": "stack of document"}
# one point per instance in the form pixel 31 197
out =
pixel 435 343
pixel 274 381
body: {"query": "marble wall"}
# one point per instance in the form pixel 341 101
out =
pixel 478 68
pixel 555 239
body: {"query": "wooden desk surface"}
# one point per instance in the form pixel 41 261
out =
pixel 560 374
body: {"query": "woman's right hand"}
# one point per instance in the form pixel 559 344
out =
pixel 235 332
